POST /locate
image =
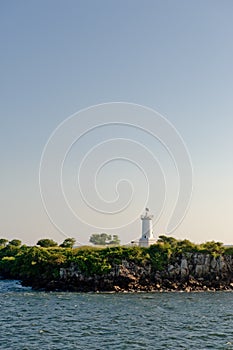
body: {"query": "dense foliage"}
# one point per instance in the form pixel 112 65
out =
pixel 29 263
pixel 68 243
pixel 47 242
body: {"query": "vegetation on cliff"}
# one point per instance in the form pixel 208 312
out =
pixel 30 263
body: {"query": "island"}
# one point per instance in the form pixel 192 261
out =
pixel 167 265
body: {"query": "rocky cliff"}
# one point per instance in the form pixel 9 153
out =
pixel 185 272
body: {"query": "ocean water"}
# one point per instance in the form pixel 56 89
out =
pixel 31 320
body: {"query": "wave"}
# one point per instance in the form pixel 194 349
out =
pixel 12 286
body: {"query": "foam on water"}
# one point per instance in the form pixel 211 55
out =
pixel 12 286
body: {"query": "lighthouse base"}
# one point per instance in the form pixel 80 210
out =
pixel 146 242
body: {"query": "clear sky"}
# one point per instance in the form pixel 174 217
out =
pixel 58 57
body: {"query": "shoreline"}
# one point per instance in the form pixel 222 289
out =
pixel 145 290
pixel 148 290
pixel 118 269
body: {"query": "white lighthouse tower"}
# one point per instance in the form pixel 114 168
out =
pixel 147 230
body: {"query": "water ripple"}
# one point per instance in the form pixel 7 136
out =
pixel 66 321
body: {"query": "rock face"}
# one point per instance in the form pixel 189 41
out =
pixel 196 271
pixel 188 272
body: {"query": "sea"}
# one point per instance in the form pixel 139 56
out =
pixel 34 320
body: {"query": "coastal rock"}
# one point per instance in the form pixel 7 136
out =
pixel 184 269
pixel 185 272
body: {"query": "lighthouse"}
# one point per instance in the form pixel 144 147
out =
pixel 147 230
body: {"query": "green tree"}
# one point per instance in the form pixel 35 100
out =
pixel 186 246
pixel 3 242
pixel 159 255
pixel 68 243
pixel 166 239
pixel 15 242
pixel 115 240
pixel 213 247
pixel 100 239
pixel 47 243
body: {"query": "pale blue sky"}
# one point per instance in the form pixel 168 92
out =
pixel 58 57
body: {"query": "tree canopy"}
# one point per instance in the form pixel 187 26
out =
pixel 104 239
pixel 68 243
pixel 3 242
pixel 47 243
pixel 15 242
